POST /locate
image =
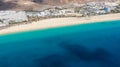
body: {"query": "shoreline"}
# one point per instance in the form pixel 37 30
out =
pixel 59 22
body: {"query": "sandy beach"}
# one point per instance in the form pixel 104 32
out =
pixel 59 22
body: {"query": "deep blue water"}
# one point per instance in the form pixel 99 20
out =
pixel 88 45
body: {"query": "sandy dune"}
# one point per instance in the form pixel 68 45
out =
pixel 58 22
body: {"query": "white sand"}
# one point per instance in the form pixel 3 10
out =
pixel 58 22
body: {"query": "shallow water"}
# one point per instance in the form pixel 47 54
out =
pixel 88 45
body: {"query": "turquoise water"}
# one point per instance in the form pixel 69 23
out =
pixel 87 45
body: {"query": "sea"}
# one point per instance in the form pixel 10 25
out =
pixel 86 45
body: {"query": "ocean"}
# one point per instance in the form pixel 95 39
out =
pixel 84 45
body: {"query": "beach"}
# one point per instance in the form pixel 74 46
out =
pixel 59 22
pixel 73 45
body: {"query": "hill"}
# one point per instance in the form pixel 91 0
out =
pixel 35 4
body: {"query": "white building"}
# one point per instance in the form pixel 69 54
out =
pixel 8 16
pixel 100 12
pixel 61 12
pixel 111 4
pixel 33 13
pixel 3 25
pixel 68 11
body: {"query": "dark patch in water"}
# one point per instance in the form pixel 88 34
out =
pixel 53 61
pixel 65 50
pixel 98 55
pixel 101 54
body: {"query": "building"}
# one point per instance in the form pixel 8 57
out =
pixel 33 13
pixel 13 16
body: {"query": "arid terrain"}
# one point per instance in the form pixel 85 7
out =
pixel 36 4
pixel 32 12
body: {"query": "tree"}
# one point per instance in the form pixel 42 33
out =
pixel 77 10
